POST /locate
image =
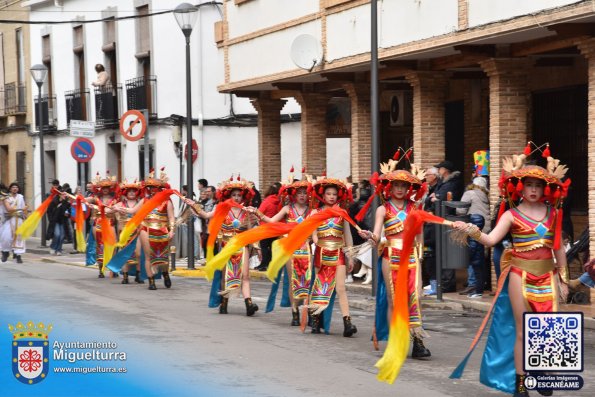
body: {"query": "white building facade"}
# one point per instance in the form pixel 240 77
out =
pixel 145 59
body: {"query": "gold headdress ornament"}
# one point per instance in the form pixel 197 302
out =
pixel 162 181
pixel 289 186
pixel 225 188
pixel 515 169
pixel 108 181
pixel 390 173
pixel 345 195
pixel 125 185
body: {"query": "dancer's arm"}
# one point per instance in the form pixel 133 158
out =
pixel 278 216
pixel 171 219
pixel 348 243
pixel 494 237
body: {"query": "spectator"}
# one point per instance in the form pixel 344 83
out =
pixel 269 207
pixel 67 226
pixel 449 188
pixel 60 217
pixel 479 212
pixel 102 76
pixel 208 204
pixel 202 184
pixel 429 258
pixel 257 199
pixel 367 223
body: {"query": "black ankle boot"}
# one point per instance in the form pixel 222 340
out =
pixel 152 285
pixel 295 318
pixel 223 306
pixel 419 350
pixel 348 328
pixel 137 278
pixel 251 308
pixel 124 277
pixel 316 320
pixel 166 280
pixel 19 259
pixel 5 256
pixel 519 386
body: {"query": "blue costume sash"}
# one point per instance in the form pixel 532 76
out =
pixel 91 256
pixel 285 302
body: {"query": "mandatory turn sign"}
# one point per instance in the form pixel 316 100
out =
pixel 133 125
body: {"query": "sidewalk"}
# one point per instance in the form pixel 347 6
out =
pixel 360 295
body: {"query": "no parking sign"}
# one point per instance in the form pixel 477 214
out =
pixel 82 150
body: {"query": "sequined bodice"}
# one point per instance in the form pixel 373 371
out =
pixel 394 219
pixel 293 216
pixel 529 234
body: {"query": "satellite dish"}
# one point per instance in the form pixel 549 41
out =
pixel 306 52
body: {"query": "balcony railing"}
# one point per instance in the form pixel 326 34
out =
pixel 48 112
pixel 141 93
pixel 108 100
pixel 77 104
pixel 13 99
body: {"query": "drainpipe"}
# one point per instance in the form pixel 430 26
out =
pixel 201 139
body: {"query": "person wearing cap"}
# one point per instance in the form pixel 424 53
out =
pixel 479 211
pixel 429 259
pixel 449 188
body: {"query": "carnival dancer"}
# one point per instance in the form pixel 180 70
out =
pixel 236 220
pixel 297 210
pixel 130 202
pixel 398 190
pixel 156 231
pixel 104 198
pixel 530 276
pixel 329 259
pixel 15 211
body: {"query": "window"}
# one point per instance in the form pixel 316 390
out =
pixel 20 56
pixel 143 33
pixel 1 60
pixel 46 58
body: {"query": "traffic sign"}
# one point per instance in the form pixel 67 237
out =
pixel 133 125
pixel 194 151
pixel 85 129
pixel 82 150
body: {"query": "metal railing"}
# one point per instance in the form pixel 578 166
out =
pixel 48 112
pixel 141 93
pixel 77 104
pixel 13 99
pixel 108 100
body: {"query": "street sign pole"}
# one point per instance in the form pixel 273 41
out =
pixel 146 143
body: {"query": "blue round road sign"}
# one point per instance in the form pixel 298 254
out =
pixel 82 150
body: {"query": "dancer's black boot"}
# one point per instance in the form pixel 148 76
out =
pixel 519 387
pixel 137 278
pixel 166 280
pixel 5 256
pixel 419 350
pixel 223 306
pixel 348 328
pixel 124 277
pixel 316 320
pixel 251 308
pixel 295 317
pixel 152 285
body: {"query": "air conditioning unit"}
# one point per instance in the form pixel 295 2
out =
pixel 397 109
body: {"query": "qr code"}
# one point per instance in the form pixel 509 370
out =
pixel 553 341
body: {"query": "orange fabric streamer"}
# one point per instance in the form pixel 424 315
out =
pixel 108 236
pixel 395 353
pixel 79 220
pixel 283 249
pixel 30 224
pixel 215 223
pixel 268 230
pixel 143 211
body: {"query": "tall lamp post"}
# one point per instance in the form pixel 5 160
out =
pixel 186 15
pixel 39 73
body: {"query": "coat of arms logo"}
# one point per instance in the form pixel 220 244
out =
pixel 30 351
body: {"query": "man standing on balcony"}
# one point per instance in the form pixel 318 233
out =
pixel 102 76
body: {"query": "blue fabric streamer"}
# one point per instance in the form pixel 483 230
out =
pixel 381 315
pixel 285 302
pixel 214 297
pixel 91 254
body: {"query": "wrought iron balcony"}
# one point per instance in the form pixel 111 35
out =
pixel 13 99
pixel 108 100
pixel 77 104
pixel 141 93
pixel 48 112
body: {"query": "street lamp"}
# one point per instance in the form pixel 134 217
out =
pixel 39 72
pixel 186 15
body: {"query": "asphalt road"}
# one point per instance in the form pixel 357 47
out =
pixel 237 355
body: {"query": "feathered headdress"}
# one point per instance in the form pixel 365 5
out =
pixel 108 181
pixel 225 188
pixel 289 186
pixel 345 195
pixel 515 170
pixel 161 181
